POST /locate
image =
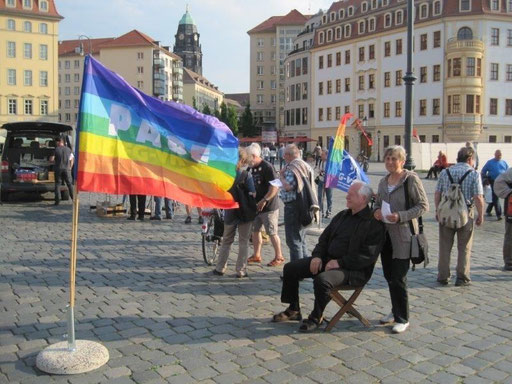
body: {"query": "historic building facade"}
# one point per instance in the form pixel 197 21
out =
pixel 187 44
pixel 462 61
pixel 29 31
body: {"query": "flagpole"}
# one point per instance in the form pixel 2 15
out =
pixel 72 271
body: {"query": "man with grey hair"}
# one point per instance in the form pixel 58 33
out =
pixel 296 176
pixel 267 205
pixel 345 255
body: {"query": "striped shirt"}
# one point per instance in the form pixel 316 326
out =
pixel 471 186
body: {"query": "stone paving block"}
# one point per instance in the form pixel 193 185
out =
pixel 113 373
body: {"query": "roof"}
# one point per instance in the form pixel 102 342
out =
pixel 193 77
pixel 135 38
pixel 36 126
pixel 293 17
pixel 232 102
pixel 186 18
pixel 35 11
pixel 67 47
pixel 241 98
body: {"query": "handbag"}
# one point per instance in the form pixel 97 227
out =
pixel 419 243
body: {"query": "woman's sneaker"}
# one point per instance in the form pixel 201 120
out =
pixel 400 327
pixel 388 319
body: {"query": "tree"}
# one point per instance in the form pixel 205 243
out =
pixel 194 103
pixel 247 128
pixel 216 113
pixel 224 113
pixel 206 109
pixel 232 120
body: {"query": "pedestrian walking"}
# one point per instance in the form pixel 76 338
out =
pixel 168 205
pixel 491 170
pixel 323 191
pixel 280 154
pixel 503 189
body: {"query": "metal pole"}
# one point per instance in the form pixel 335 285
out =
pixel 409 80
pixel 72 271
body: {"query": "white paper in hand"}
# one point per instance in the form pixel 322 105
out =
pixel 276 183
pixel 385 210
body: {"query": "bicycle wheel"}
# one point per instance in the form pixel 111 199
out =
pixel 211 244
pixel 366 165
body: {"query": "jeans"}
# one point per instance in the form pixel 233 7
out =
pixel 328 195
pixel 294 232
pixel 169 208
pixel 323 282
pixel 395 273
pixel 495 202
pixel 62 175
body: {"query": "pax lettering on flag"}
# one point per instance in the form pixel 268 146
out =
pixel 132 143
pixel 341 169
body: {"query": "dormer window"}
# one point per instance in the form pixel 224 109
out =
pixel 329 35
pixel 423 11
pixel 321 37
pixel 399 17
pixel 437 8
pixel 27 4
pixel 333 16
pixel 350 11
pixel 374 4
pixel 11 3
pixel 361 27
pixel 464 5
pixel 385 3
pixel 347 30
pixel 43 6
pixel 341 14
pixel 324 19
pixel 387 20
pixel 364 7
pixel 371 24
pixel 338 33
pixel 495 5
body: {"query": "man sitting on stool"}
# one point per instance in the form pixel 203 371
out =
pixel 345 255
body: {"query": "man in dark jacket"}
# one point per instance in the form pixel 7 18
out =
pixel 345 254
pixel 61 168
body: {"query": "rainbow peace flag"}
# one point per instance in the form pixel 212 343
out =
pixel 131 143
pixel 341 169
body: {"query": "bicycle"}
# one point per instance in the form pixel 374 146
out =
pixel 362 160
pixel 212 230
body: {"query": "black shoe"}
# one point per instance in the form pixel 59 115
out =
pixel 488 214
pixel 462 283
pixel 155 218
pixel 200 220
pixel 500 218
pixel 310 325
pixel 188 220
pixel 507 268
pixel 443 282
pixel 168 217
pixel 131 218
pixel 140 218
pixel 56 203
pixel 287 315
pixel 217 273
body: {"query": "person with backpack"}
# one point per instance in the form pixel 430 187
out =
pixel 241 218
pixel 503 189
pixel 458 191
pixel 392 208
pixel 296 177
pixel 491 170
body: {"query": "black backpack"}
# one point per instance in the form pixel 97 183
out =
pixel 247 203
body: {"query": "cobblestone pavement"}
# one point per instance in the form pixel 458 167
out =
pixel 145 292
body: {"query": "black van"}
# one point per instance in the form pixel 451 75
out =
pixel 25 158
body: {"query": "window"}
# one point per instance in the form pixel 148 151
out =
pixel 495 36
pixel 43 107
pixel 398 78
pixel 329 87
pixel 304 115
pixel 386 141
pixel 321 88
pixel 333 16
pixel 361 27
pixel 43 52
pixel 350 11
pixel 398 47
pixel 423 42
pixel 27 26
pixel 11 25
pixel 27 3
pixel 437 73
pixel 437 39
pixel 465 33
pixel 260 42
pixel 68 116
pixel 387 20
pixel 43 78
pixel 259 56
pixel 140 69
pixel 259 70
pixel 341 14
pixel 273 84
pixel 493 106
pixel 387 79
pixel 67 104
pixel 329 114
pixel 347 30
pixel 338 85
pixel 27 50
pixel 11 49
pixel 423 74
pixel 398 109
pixel 67 64
pixel 371 111
pixel 477 103
pixel 437 8
pixel 456 67
pixel 259 84
pixel 67 78
pixel 435 138
pixel 479 67
pixel 43 28
pixel 423 11
pixel 43 6
pixel 67 91
pixel 509 72
pixel 470 66
pixel 360 109
pixel 28 107
pixel 508 107
pixel 371 52
pixel 329 60
pixel 470 103
pixel 387 49
pixel 507 139
pixel 361 53
pixel 465 5
pixel 304 91
pixel 364 7
pixel 399 17
pixel 494 71
pixel 338 113
pixel 27 78
pixel 347 108
pixel 347 84
pixel 76 77
pixel 423 107
pixel 259 99
pixel 371 24
pixel 371 81
pixel 12 106
pixel 456 103
pixel 11 77
pixel 436 103
pixel 11 3
pixel 386 109
pixel 495 5
pixel 320 114
pixel 321 37
pixel 76 103
pixel 338 58
pixel 361 83
pixel 329 35
pixel 305 66
pixel 398 140
pixel 320 62
pixel 338 33
pixel 449 104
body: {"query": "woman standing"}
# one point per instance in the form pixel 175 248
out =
pixel 233 219
pixel 396 254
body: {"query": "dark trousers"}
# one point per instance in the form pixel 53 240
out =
pixel 495 202
pixel 322 283
pixel 140 202
pixel 395 272
pixel 62 175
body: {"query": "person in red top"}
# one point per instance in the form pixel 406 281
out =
pixel 440 164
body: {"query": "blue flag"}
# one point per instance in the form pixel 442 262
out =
pixel 347 171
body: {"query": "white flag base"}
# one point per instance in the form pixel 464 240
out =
pixel 59 360
pixel 314 231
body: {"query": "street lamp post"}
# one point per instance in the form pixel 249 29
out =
pixel 409 80
pixel 378 145
pixel 80 49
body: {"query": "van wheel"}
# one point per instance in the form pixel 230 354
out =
pixel 64 195
pixel 4 196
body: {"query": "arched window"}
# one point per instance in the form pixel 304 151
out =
pixel 465 33
pixel 11 24
pixel 27 26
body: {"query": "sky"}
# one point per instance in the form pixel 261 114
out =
pixel 222 25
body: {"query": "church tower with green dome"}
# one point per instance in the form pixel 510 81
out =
pixel 187 44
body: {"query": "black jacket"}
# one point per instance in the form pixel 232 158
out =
pixel 364 247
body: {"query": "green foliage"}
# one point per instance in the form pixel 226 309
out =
pixel 232 120
pixel 224 113
pixel 206 109
pixel 194 103
pixel 247 128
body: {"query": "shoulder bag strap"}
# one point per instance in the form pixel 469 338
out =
pixel 449 175
pixel 464 176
